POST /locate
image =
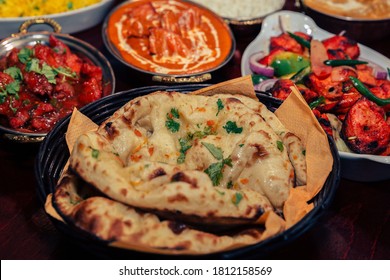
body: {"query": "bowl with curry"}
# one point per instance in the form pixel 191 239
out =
pixel 171 41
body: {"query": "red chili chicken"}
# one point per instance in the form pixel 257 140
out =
pixel 41 84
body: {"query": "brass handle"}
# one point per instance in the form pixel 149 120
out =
pixel 49 21
pixel 179 80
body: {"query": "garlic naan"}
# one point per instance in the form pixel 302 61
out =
pixel 201 161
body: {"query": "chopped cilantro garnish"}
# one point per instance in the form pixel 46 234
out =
pixel 46 70
pixel 184 146
pixel 14 72
pixel 13 89
pixel 236 199
pixel 219 105
pixel 220 192
pixel 70 5
pixel 66 72
pixel 280 146
pixel 49 73
pixel 215 170
pixel 95 153
pixel 170 123
pixel 231 127
pixel 304 152
pixel 25 55
pixel 215 151
pixel 229 185
pixel 241 145
pixel 175 113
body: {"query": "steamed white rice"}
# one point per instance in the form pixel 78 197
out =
pixel 242 9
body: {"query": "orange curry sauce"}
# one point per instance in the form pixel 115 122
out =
pixel 169 37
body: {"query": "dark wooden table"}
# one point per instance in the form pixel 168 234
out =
pixel 356 226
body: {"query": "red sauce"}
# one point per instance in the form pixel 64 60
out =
pixel 169 37
pixel 41 84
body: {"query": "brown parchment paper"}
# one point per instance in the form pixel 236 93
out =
pixel 295 115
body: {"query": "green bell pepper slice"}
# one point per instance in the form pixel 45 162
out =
pixel 288 62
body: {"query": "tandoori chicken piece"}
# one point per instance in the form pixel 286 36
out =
pixel 341 47
pixel 365 129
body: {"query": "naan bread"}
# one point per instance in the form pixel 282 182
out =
pixel 116 222
pixel 202 163
pixel 134 157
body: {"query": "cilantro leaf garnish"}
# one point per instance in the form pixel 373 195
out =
pixel 14 72
pixel 25 55
pixel 49 73
pixel 215 170
pixel 175 113
pixel 66 72
pixel 13 89
pixel 184 146
pixel 95 153
pixel 214 150
pixel 280 146
pixel 220 106
pixel 46 70
pixel 231 127
pixel 170 123
pixel 236 199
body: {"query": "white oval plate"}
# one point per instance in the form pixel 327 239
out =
pixel 358 167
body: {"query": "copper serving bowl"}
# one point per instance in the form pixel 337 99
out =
pixel 79 47
pixel 359 29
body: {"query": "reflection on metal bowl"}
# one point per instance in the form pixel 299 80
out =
pixel 361 29
pixel 82 49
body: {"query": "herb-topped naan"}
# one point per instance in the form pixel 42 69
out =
pixel 206 161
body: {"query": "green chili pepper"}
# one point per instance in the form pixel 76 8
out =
pixel 297 78
pixel 257 79
pixel 367 93
pixel 300 40
pixel 317 102
pixel 341 62
pixel 288 62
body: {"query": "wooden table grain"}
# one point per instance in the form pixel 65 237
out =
pixel 356 226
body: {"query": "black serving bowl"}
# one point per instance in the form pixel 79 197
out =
pixel 53 155
pixel 79 47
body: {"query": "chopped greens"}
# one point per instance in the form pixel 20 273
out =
pixel 220 192
pixel 25 55
pixel 280 146
pixel 170 123
pixel 11 89
pixel 219 105
pixel 236 199
pixel 231 127
pixel 14 72
pixel 215 151
pixel 215 170
pixel 185 144
pixel 46 70
pixel 95 153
